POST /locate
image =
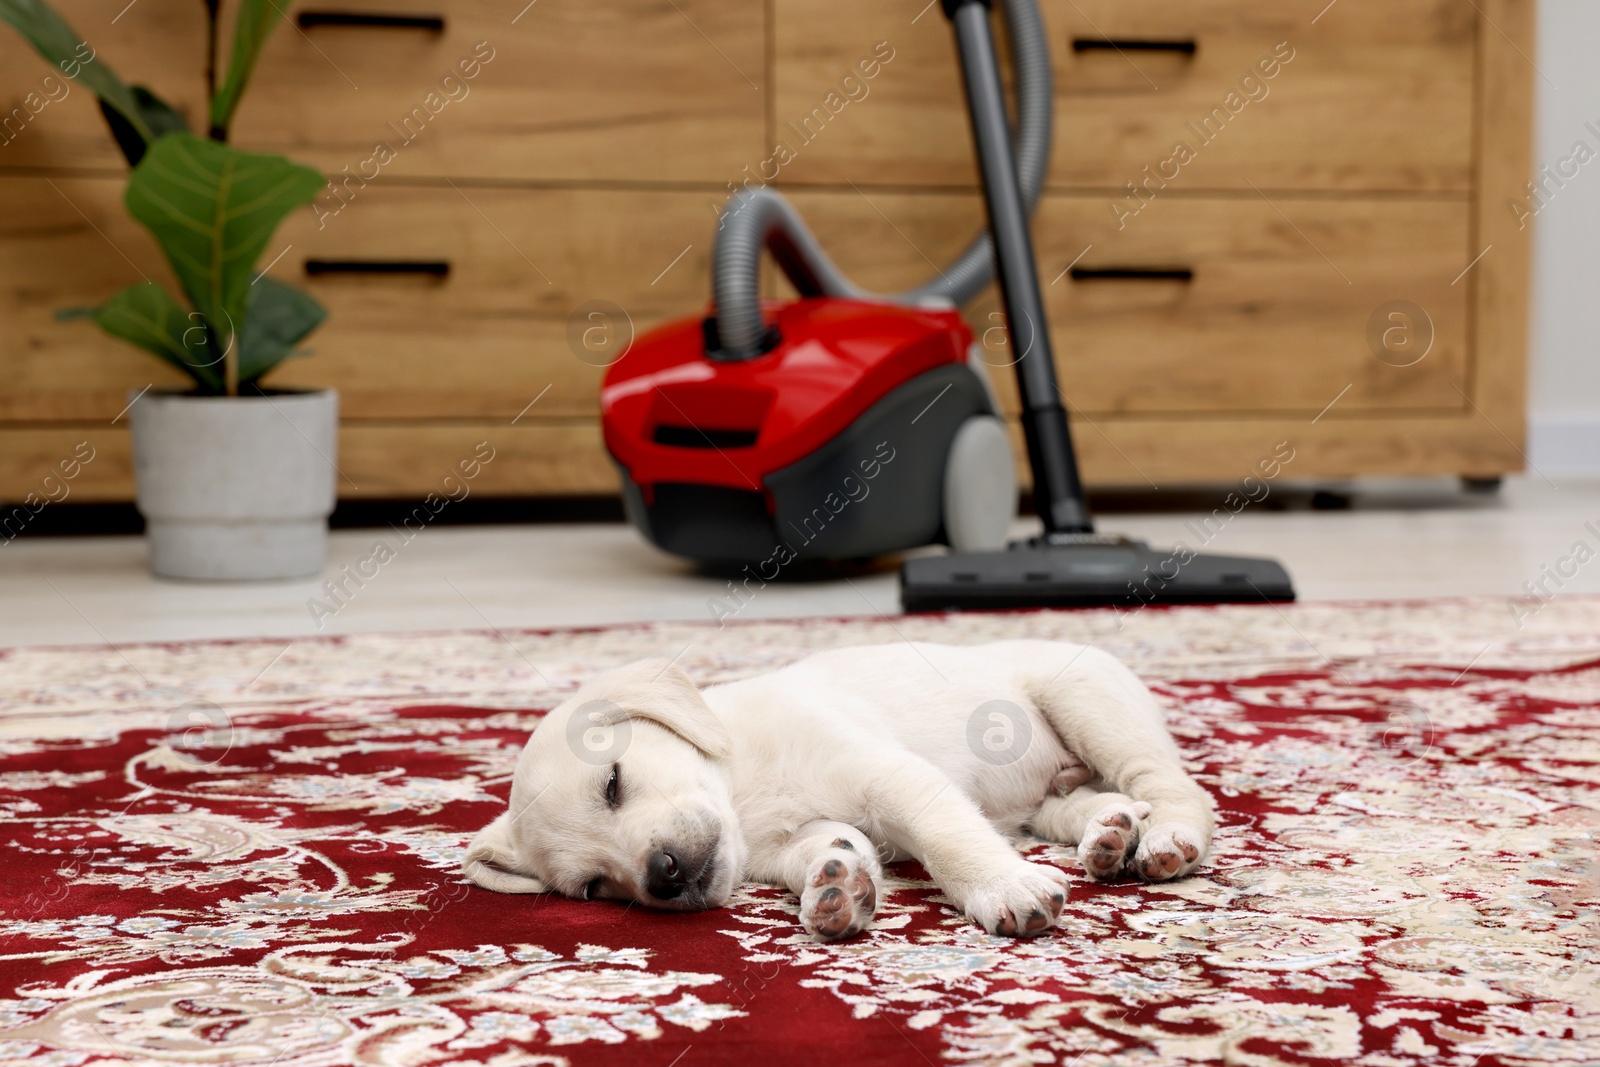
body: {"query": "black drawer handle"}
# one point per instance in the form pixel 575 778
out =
pixel 1131 274
pixel 311 19
pixel 1132 44
pixel 433 268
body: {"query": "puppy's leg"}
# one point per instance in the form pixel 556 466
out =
pixel 834 870
pixel 1104 826
pixel 924 814
pixel 1103 713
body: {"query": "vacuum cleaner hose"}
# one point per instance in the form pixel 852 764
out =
pixel 759 218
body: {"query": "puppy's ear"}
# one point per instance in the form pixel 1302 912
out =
pixel 491 861
pixel 655 690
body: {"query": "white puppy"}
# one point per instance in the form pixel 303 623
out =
pixel 642 787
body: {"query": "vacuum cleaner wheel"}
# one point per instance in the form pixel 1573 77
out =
pixel 980 486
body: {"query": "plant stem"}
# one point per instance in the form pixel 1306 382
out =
pixel 230 360
pixel 217 133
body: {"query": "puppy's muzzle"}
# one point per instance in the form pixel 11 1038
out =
pixel 680 875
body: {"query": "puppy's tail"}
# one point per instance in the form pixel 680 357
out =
pixel 491 861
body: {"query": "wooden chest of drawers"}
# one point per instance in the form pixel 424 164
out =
pixel 1265 220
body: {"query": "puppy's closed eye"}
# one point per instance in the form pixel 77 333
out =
pixel 614 786
pixel 592 890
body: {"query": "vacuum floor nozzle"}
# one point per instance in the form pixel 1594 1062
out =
pixel 1075 571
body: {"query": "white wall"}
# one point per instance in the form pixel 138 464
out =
pixel 1564 379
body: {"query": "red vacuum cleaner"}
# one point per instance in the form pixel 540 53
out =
pixel 849 424
pixel 858 429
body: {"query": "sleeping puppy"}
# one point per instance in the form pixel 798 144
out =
pixel 644 788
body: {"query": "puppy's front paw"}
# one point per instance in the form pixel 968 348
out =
pixel 1025 901
pixel 840 896
pixel 1168 851
pixel 1110 838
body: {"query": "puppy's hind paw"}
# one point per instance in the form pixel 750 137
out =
pixel 1169 851
pixel 1025 902
pixel 1109 839
pixel 840 896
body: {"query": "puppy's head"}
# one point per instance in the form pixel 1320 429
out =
pixel 618 794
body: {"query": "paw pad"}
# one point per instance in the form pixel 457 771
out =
pixel 840 898
pixel 1161 865
pixel 1169 851
pixel 1109 840
pixel 1027 905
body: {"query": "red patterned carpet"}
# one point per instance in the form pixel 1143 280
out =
pixel 245 854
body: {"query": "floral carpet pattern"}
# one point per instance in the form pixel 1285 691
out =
pixel 246 853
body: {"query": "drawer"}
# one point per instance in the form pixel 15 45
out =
pixel 1377 95
pixel 482 341
pixel 1277 315
pixel 573 90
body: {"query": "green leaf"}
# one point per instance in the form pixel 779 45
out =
pixel 257 19
pixel 148 317
pixel 57 42
pixel 213 208
pixel 279 317
pixel 158 115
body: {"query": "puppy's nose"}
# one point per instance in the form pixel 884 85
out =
pixel 665 874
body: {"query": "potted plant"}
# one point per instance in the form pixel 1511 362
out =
pixel 235 480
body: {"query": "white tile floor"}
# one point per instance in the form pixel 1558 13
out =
pixel 1401 539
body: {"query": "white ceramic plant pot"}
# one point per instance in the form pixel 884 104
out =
pixel 236 488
